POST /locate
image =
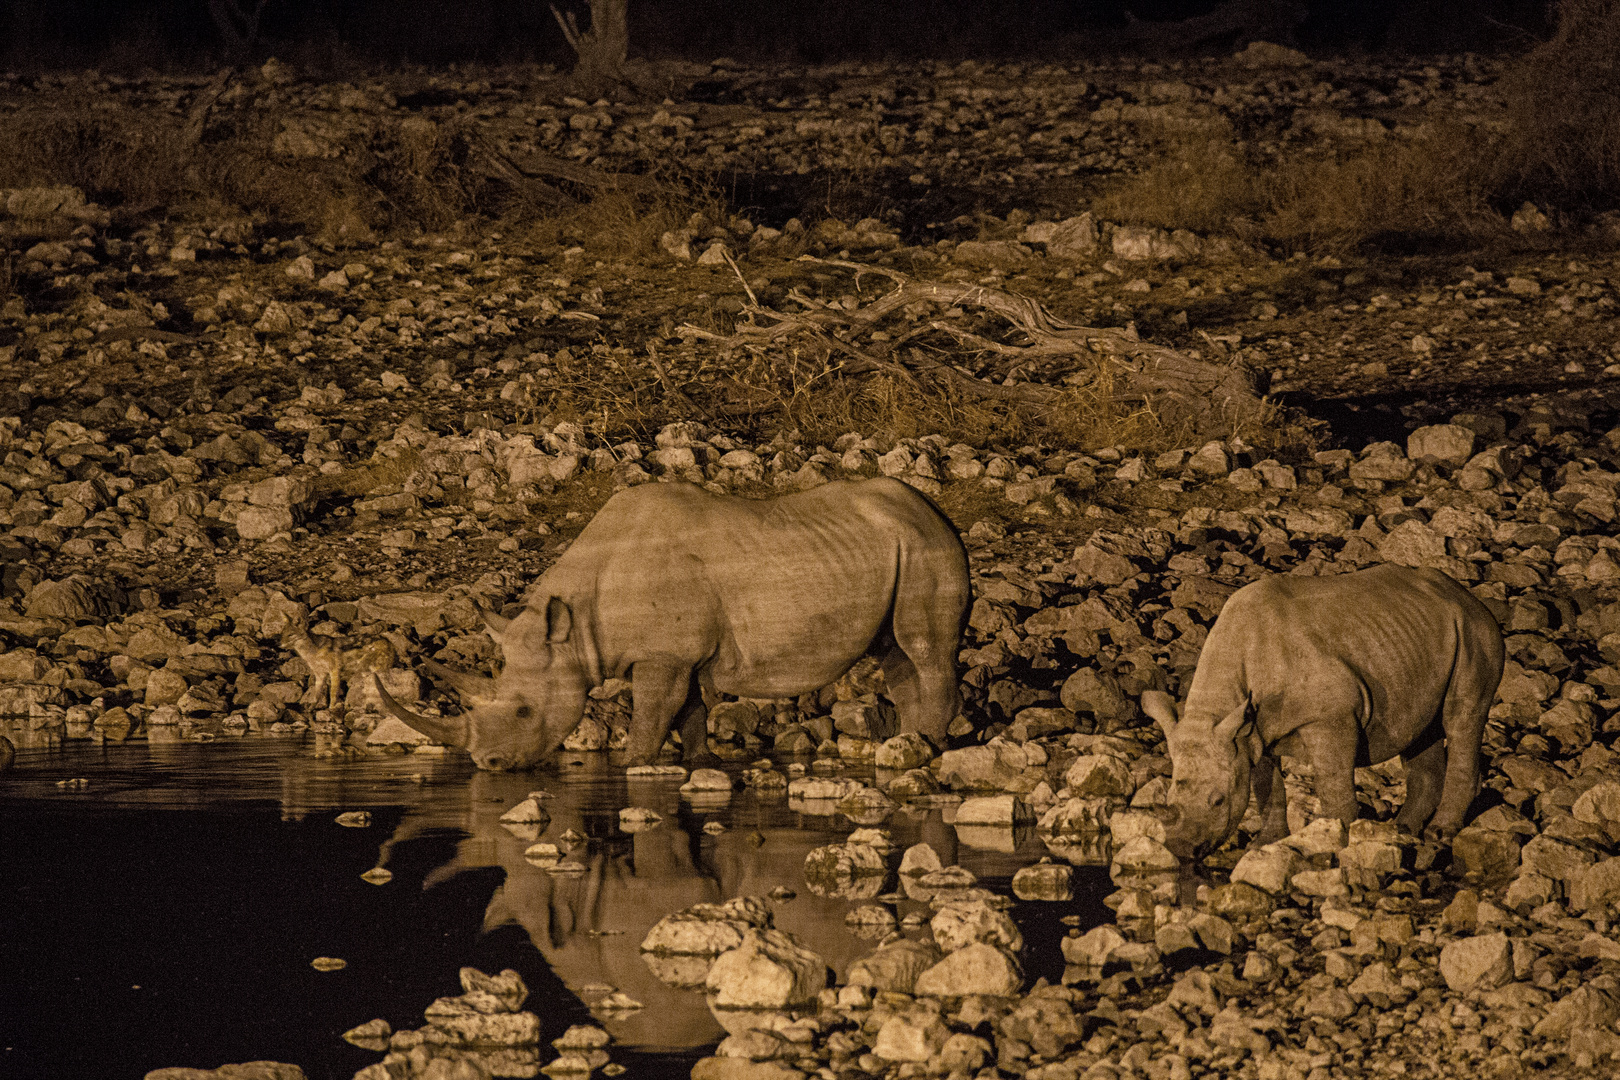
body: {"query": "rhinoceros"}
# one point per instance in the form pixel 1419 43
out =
pixel 1342 671
pixel 682 590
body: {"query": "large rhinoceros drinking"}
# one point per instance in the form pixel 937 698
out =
pixel 681 590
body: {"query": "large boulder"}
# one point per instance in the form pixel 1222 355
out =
pixel 974 969
pixel 769 970
pixel 1482 962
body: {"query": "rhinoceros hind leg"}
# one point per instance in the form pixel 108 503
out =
pixel 1463 715
pixel 925 697
pixel 1425 762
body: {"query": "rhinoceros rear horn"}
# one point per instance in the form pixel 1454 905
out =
pixel 1233 721
pixel 451 732
pixel 1161 707
pixel 495 623
pixel 474 689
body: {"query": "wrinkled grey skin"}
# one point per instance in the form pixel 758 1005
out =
pixel 681 591
pixel 1344 671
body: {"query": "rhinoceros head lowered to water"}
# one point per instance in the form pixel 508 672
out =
pixel 1209 774
pixel 522 717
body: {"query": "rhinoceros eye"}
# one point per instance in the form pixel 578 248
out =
pixel 524 712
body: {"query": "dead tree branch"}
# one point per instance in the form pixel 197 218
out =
pixel 1214 398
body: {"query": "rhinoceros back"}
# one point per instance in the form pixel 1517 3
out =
pixel 1296 645
pixel 769 592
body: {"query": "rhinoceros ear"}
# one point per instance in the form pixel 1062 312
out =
pixel 1161 707
pixel 1233 722
pixel 559 619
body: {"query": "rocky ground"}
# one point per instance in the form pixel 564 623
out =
pixel 216 431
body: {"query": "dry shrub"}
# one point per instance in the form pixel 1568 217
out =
pixel 113 157
pixel 1396 192
pixel 888 407
pixel 1562 147
pixel 823 405
pixel 1399 193
pixel 1092 415
pixel 397 178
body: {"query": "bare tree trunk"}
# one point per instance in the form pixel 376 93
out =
pixel 238 26
pixel 603 48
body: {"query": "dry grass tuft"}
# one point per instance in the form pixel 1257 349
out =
pixel 1387 193
pixel 627 224
pixel 1384 192
pixel 822 404
pixel 1202 181
pixel 407 177
pixel 364 479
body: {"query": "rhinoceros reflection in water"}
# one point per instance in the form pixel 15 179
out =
pixel 589 926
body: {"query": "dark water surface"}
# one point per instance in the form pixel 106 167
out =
pixel 168 912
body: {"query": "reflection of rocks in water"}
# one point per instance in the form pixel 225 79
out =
pixel 1082 849
pixel 680 948
pixel 871 922
pixel 528 812
pixel 683 972
pixel 999 838
pixel 544 854
pixel 639 819
pixel 482 1028
pixel 250 1070
pixel 707 781
pixel 1046 880
pixel 372 1035
pixel 939 886
pixel 867 806
pixel 847 871
pixel 1006 811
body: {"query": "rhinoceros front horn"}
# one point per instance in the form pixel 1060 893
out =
pixel 451 732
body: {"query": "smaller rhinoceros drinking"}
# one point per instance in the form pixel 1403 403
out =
pixel 682 590
pixel 1342 671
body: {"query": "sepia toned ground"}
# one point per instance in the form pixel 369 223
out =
pixel 420 334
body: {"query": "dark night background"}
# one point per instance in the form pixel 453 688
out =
pixel 331 34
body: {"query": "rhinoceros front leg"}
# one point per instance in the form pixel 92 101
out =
pixel 1330 747
pixel 1271 797
pixel 663 694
